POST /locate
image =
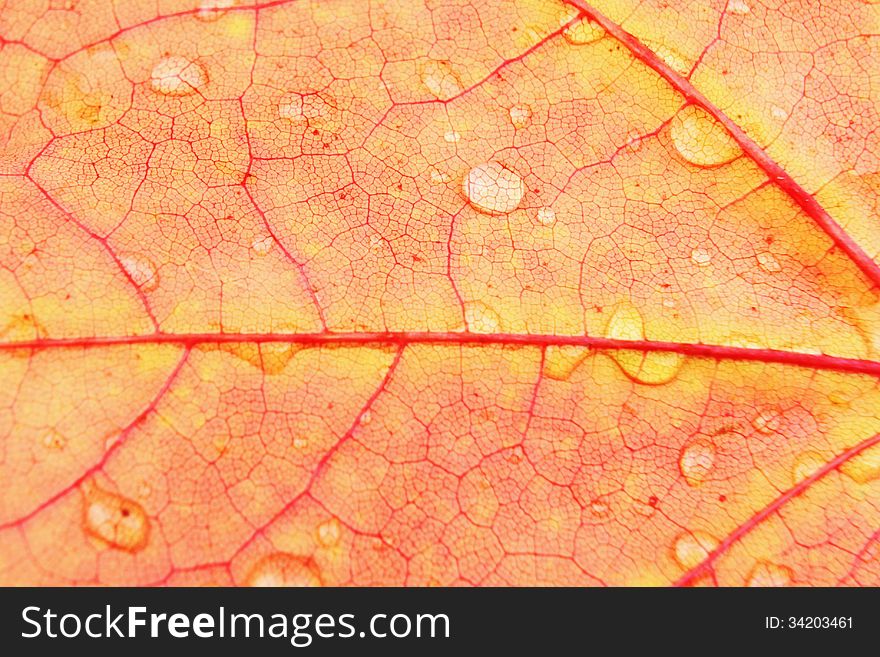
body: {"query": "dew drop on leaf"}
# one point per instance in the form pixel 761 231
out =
pixel 738 7
pixel 805 465
pixel 262 245
pixel 117 521
pixel 329 532
pixel 701 257
pixel 863 467
pixel 439 78
pixel 211 10
pixel 177 76
pixel 520 115
pixel 54 441
pixel 583 32
pixel 700 139
pixel 141 271
pixel 492 188
pixel 561 361
pixel 769 263
pixel 692 548
pixel 767 421
pixel 451 137
pixel 769 574
pixel 648 367
pixel 283 569
pixel 696 461
pixel 546 216
pixel 481 319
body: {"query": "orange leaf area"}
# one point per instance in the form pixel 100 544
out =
pixel 439 293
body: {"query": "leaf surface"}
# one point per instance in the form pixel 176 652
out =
pixel 516 293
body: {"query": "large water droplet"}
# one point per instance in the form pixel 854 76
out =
pixel 141 271
pixel 440 79
pixel 696 461
pixel 769 574
pixel 492 188
pixel 177 76
pixel 116 520
pixel 648 367
pixel 692 548
pixel 582 32
pixel 282 569
pixel 700 139
pixel 561 361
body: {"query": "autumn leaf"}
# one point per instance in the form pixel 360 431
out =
pixel 436 293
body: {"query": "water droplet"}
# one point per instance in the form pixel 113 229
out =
pixel 439 78
pixel 262 244
pixel 738 7
pixel 291 107
pixel 120 522
pixel 282 569
pixel 452 137
pixel 863 467
pixel 141 271
pixel 769 574
pixel 329 532
pixel 54 441
pixel 769 263
pixel 701 257
pixel 439 177
pixel 692 548
pixel 300 442
pixel 144 490
pixel 520 115
pixel 648 367
pixel 481 319
pixel 561 361
pixel 599 508
pixel 696 461
pixel 700 139
pixel 177 76
pixel 366 418
pixel 669 303
pixel 582 32
pixel 767 421
pixel 211 10
pixel 805 465
pixel 493 188
pixel 546 216
pixel 778 113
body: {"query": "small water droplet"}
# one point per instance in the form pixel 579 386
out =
pixel 54 441
pixel 211 10
pixel 520 115
pixel 366 418
pixel 451 137
pixel 599 508
pixel 492 188
pixel 669 303
pixel 738 7
pixel 864 467
pixel 329 532
pixel 648 367
pixel 692 548
pixel 769 263
pixel 701 257
pixel 769 574
pixel 767 422
pixel 141 271
pixel 583 32
pixel 440 79
pixel 116 520
pixel 778 113
pixel 262 244
pixel 439 177
pixel 805 465
pixel 696 461
pixel 700 139
pixel 282 569
pixel 546 216
pixel 177 76
pixel 300 442
pixel 144 490
pixel 481 319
